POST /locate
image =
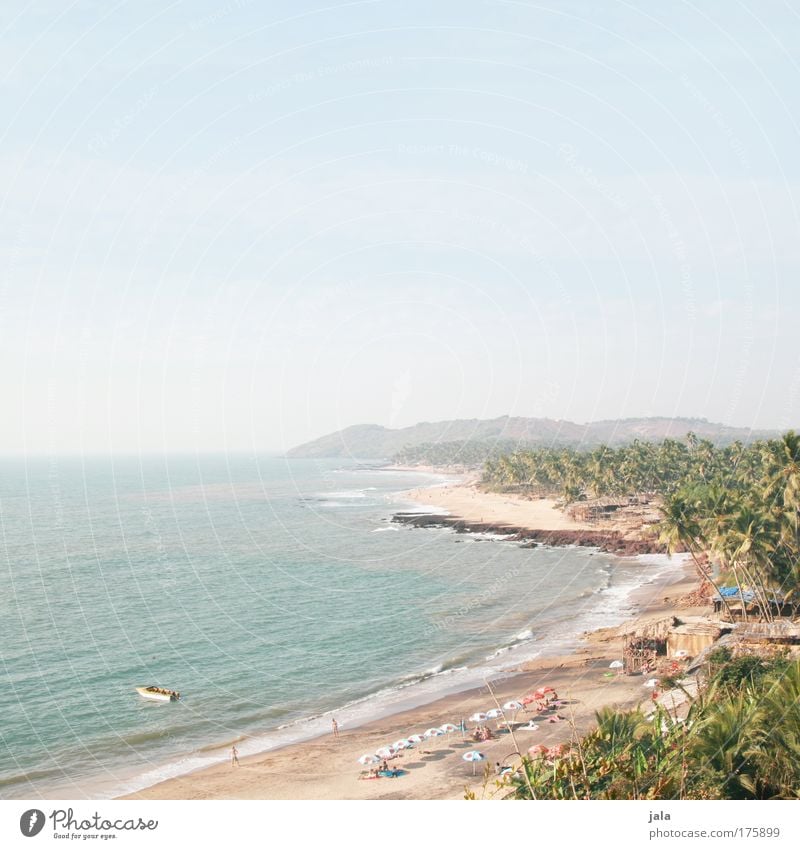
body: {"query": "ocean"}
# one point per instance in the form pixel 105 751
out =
pixel 271 593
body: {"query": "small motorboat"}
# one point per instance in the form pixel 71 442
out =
pixel 158 694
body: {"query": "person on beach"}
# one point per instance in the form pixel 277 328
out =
pixel 234 756
pixel 335 726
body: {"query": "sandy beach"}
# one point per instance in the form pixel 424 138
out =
pixel 328 768
pixel 468 502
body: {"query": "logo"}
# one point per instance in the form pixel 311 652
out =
pixel 31 822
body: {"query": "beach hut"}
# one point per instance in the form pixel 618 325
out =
pixel 781 632
pixel 691 638
pixel 732 604
pixel 643 646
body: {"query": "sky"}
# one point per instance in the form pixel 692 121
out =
pixel 238 226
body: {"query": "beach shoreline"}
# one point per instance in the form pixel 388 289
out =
pixel 325 767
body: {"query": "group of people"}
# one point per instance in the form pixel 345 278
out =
pixel 382 771
pixel 482 733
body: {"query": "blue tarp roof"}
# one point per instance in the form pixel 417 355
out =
pixel 732 592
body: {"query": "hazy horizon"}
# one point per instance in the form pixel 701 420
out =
pixel 235 229
pixel 280 453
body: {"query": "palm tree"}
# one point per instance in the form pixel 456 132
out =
pixel 679 529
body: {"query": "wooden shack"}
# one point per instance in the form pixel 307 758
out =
pixel 780 632
pixel 642 647
pixel 690 638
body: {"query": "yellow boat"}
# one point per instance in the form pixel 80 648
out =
pixel 158 694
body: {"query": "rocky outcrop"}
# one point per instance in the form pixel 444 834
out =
pixel 612 542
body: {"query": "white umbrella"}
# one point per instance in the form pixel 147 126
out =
pixel 616 664
pixel 433 732
pixel 448 728
pixel 478 717
pixel 369 759
pixel 416 739
pixel 386 752
pixel 513 705
pixel 402 744
pixel 474 757
pixel 494 713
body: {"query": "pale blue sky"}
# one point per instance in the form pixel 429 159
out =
pixel 240 225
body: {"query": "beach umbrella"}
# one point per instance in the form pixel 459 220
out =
pixel 494 713
pixel 416 739
pixel 433 732
pixel 386 752
pixel 478 717
pixel 513 706
pixel 448 728
pixel 474 757
pixel 366 760
pixel 616 664
pixel 402 744
pixel 527 700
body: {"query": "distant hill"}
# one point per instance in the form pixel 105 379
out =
pixel 372 441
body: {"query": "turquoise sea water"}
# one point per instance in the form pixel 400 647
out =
pixel 269 592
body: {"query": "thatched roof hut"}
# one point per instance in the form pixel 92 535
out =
pixel 779 631
pixel 656 630
pixel 643 644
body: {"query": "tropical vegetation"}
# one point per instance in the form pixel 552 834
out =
pixel 739 740
pixel 738 503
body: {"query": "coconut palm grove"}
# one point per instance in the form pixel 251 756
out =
pixel 735 509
